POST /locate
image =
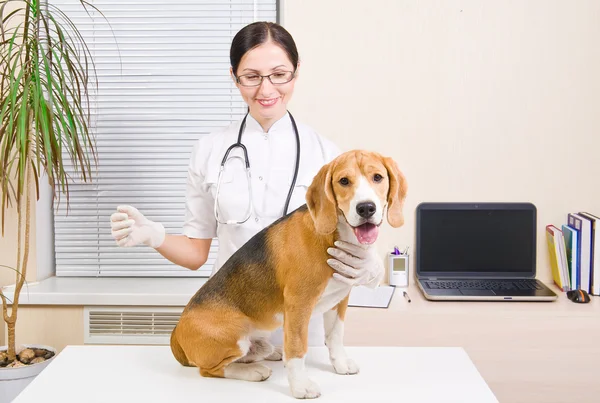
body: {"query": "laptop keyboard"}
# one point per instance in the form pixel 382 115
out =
pixel 524 284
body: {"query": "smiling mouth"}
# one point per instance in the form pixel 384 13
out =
pixel 366 233
pixel 267 102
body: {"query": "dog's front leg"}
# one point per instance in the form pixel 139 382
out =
pixel 295 346
pixel 334 339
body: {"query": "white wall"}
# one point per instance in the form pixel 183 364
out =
pixel 476 100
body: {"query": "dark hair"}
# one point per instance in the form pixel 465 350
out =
pixel 256 34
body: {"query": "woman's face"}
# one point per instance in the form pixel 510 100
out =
pixel 267 102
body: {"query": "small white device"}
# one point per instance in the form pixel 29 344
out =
pixel 398 270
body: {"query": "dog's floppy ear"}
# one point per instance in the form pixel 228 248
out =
pixel 321 201
pixel 396 193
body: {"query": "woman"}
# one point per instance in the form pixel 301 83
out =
pixel 264 67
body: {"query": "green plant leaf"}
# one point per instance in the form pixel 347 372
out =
pixel 45 103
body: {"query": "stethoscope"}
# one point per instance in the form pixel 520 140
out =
pixel 248 176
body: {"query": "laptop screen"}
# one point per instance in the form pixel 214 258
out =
pixel 484 239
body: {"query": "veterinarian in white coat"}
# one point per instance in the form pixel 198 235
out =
pixel 265 67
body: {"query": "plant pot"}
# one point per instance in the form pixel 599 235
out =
pixel 14 380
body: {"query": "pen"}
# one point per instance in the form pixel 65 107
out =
pixel 406 295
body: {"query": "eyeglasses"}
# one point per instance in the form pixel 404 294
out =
pixel 254 80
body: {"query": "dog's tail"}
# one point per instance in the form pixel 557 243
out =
pixel 177 350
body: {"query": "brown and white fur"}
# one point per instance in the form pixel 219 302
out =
pixel 281 277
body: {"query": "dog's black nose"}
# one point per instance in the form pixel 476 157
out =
pixel 366 209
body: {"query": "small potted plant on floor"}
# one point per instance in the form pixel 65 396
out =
pixel 45 76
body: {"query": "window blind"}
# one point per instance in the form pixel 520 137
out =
pixel 163 81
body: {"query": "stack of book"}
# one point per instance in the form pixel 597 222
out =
pixel 575 252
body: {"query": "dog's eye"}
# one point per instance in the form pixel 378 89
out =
pixel 344 182
pixel 377 178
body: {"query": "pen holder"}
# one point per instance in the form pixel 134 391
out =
pixel 398 270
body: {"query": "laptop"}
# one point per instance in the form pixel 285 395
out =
pixel 478 251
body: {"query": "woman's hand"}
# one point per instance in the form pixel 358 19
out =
pixel 130 228
pixel 355 265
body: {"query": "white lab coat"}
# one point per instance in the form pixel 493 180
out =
pixel 272 159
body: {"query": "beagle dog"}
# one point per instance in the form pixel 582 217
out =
pixel 281 277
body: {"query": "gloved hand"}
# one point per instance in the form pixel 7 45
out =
pixel 131 228
pixel 356 265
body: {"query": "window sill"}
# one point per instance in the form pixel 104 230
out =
pixel 108 291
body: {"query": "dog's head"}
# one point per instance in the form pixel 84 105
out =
pixel 359 186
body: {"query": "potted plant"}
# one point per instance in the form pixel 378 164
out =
pixel 45 69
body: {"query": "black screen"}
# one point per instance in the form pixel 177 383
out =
pixel 477 241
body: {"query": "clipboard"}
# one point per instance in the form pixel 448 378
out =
pixel 365 297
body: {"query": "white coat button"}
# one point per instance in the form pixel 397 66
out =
pixel 260 178
pixel 256 219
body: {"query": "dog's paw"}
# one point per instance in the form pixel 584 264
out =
pixel 258 372
pixel 305 389
pixel 247 372
pixel 345 366
pixel 276 355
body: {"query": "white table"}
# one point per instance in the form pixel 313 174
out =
pixel 150 374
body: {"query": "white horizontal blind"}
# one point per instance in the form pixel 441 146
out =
pixel 163 72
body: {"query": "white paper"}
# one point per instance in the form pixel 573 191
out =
pixel 379 297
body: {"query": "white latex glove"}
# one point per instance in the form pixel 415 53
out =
pixel 355 265
pixel 131 228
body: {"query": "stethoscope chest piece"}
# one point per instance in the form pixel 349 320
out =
pixel 246 162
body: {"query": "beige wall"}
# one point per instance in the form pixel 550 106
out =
pixel 476 100
pixel 57 326
pixel 8 248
